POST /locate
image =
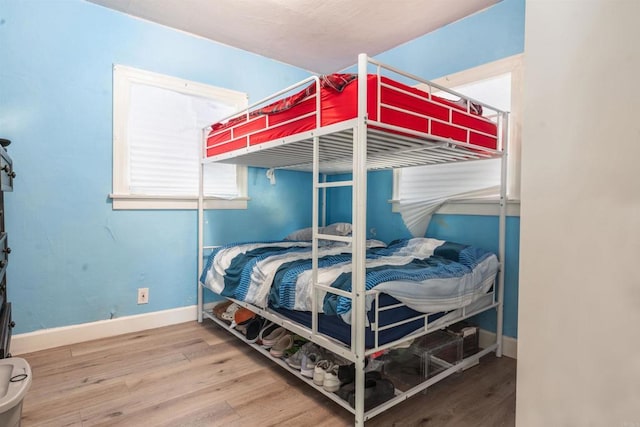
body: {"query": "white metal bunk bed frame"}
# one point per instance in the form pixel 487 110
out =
pixel 419 148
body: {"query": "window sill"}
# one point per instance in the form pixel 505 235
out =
pixel 473 207
pixel 131 202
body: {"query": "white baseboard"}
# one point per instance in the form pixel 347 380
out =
pixel 509 345
pixel 66 335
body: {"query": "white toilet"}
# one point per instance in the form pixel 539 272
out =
pixel 15 380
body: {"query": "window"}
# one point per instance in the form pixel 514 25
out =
pixel 157 137
pixel 497 84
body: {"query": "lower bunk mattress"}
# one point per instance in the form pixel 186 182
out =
pixel 335 327
pixel 425 275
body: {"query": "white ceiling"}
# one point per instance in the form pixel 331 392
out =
pixel 322 36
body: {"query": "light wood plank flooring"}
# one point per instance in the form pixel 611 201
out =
pixel 199 375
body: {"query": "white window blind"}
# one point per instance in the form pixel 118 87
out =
pixel 422 190
pixel 165 131
pixel 157 143
pixel 439 182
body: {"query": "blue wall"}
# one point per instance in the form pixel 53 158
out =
pixel 74 259
pixel 484 37
pixel 493 34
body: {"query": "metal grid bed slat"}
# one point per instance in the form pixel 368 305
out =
pixel 337 146
pixel 384 151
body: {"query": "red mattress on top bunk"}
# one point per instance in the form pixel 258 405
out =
pixel 400 105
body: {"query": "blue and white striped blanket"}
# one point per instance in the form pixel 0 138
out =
pixel 426 274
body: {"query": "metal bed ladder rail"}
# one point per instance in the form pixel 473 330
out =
pixel 357 240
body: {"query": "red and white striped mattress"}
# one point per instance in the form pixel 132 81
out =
pixel 397 104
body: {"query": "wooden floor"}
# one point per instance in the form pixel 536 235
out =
pixel 199 375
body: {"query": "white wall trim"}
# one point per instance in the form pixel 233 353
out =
pixel 73 334
pixel 127 201
pixel 509 344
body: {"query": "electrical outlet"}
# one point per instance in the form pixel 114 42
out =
pixel 143 295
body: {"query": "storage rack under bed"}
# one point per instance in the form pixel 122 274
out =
pixel 374 145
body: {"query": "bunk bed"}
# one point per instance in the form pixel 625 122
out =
pixel 377 118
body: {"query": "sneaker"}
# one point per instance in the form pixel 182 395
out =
pixel 295 354
pixel 285 342
pixel 242 316
pixel 221 308
pixel 253 329
pixel 347 373
pixel 331 382
pixel 230 312
pixel 241 319
pixel 272 338
pixel 346 390
pixel 320 369
pixel 266 329
pixel 375 392
pixel 294 359
pixel 308 364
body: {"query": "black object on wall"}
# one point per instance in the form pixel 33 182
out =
pixel 7 175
